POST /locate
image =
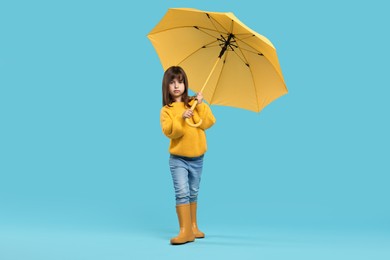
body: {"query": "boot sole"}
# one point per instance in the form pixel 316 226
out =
pixel 177 244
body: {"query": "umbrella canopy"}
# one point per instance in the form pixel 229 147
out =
pixel 228 62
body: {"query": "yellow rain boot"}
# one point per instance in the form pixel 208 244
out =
pixel 195 229
pixel 185 235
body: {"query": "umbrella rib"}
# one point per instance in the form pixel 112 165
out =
pixel 251 72
pixel 259 53
pixel 241 34
pixel 231 27
pixel 242 59
pixel 255 52
pixel 242 40
pixel 219 77
pixel 211 18
pixel 204 46
pixel 254 86
pixel 203 28
pixel 209 45
pixel 245 60
pixel 187 26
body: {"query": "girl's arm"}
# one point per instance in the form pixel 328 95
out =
pixel 206 115
pixel 172 126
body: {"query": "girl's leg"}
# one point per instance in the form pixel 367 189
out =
pixel 179 172
pixel 194 176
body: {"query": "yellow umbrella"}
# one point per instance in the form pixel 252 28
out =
pixel 224 59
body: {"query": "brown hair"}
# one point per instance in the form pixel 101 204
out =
pixel 174 72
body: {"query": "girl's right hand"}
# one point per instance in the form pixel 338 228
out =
pixel 188 113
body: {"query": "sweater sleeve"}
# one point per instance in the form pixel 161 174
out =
pixel 172 126
pixel 206 115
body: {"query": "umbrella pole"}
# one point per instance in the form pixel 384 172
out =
pixel 223 50
pixel 196 101
pixel 205 83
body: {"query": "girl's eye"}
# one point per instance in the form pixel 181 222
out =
pixel 181 81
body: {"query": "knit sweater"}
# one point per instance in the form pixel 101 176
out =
pixel 186 140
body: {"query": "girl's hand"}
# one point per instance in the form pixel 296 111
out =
pixel 199 97
pixel 188 113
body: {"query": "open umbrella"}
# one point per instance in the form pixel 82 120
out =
pixel 228 62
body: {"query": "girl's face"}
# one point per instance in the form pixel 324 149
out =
pixel 176 89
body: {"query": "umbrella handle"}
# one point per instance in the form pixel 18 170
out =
pixel 188 120
pixel 193 125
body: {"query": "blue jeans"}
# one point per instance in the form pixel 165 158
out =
pixel 186 173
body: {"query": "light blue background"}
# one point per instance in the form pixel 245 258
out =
pixel 84 165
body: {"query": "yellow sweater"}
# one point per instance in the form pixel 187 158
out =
pixel 186 140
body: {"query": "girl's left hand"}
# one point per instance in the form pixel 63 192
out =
pixel 199 97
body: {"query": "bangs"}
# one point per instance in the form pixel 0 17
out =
pixel 178 75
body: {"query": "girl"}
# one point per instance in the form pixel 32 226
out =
pixel 187 148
